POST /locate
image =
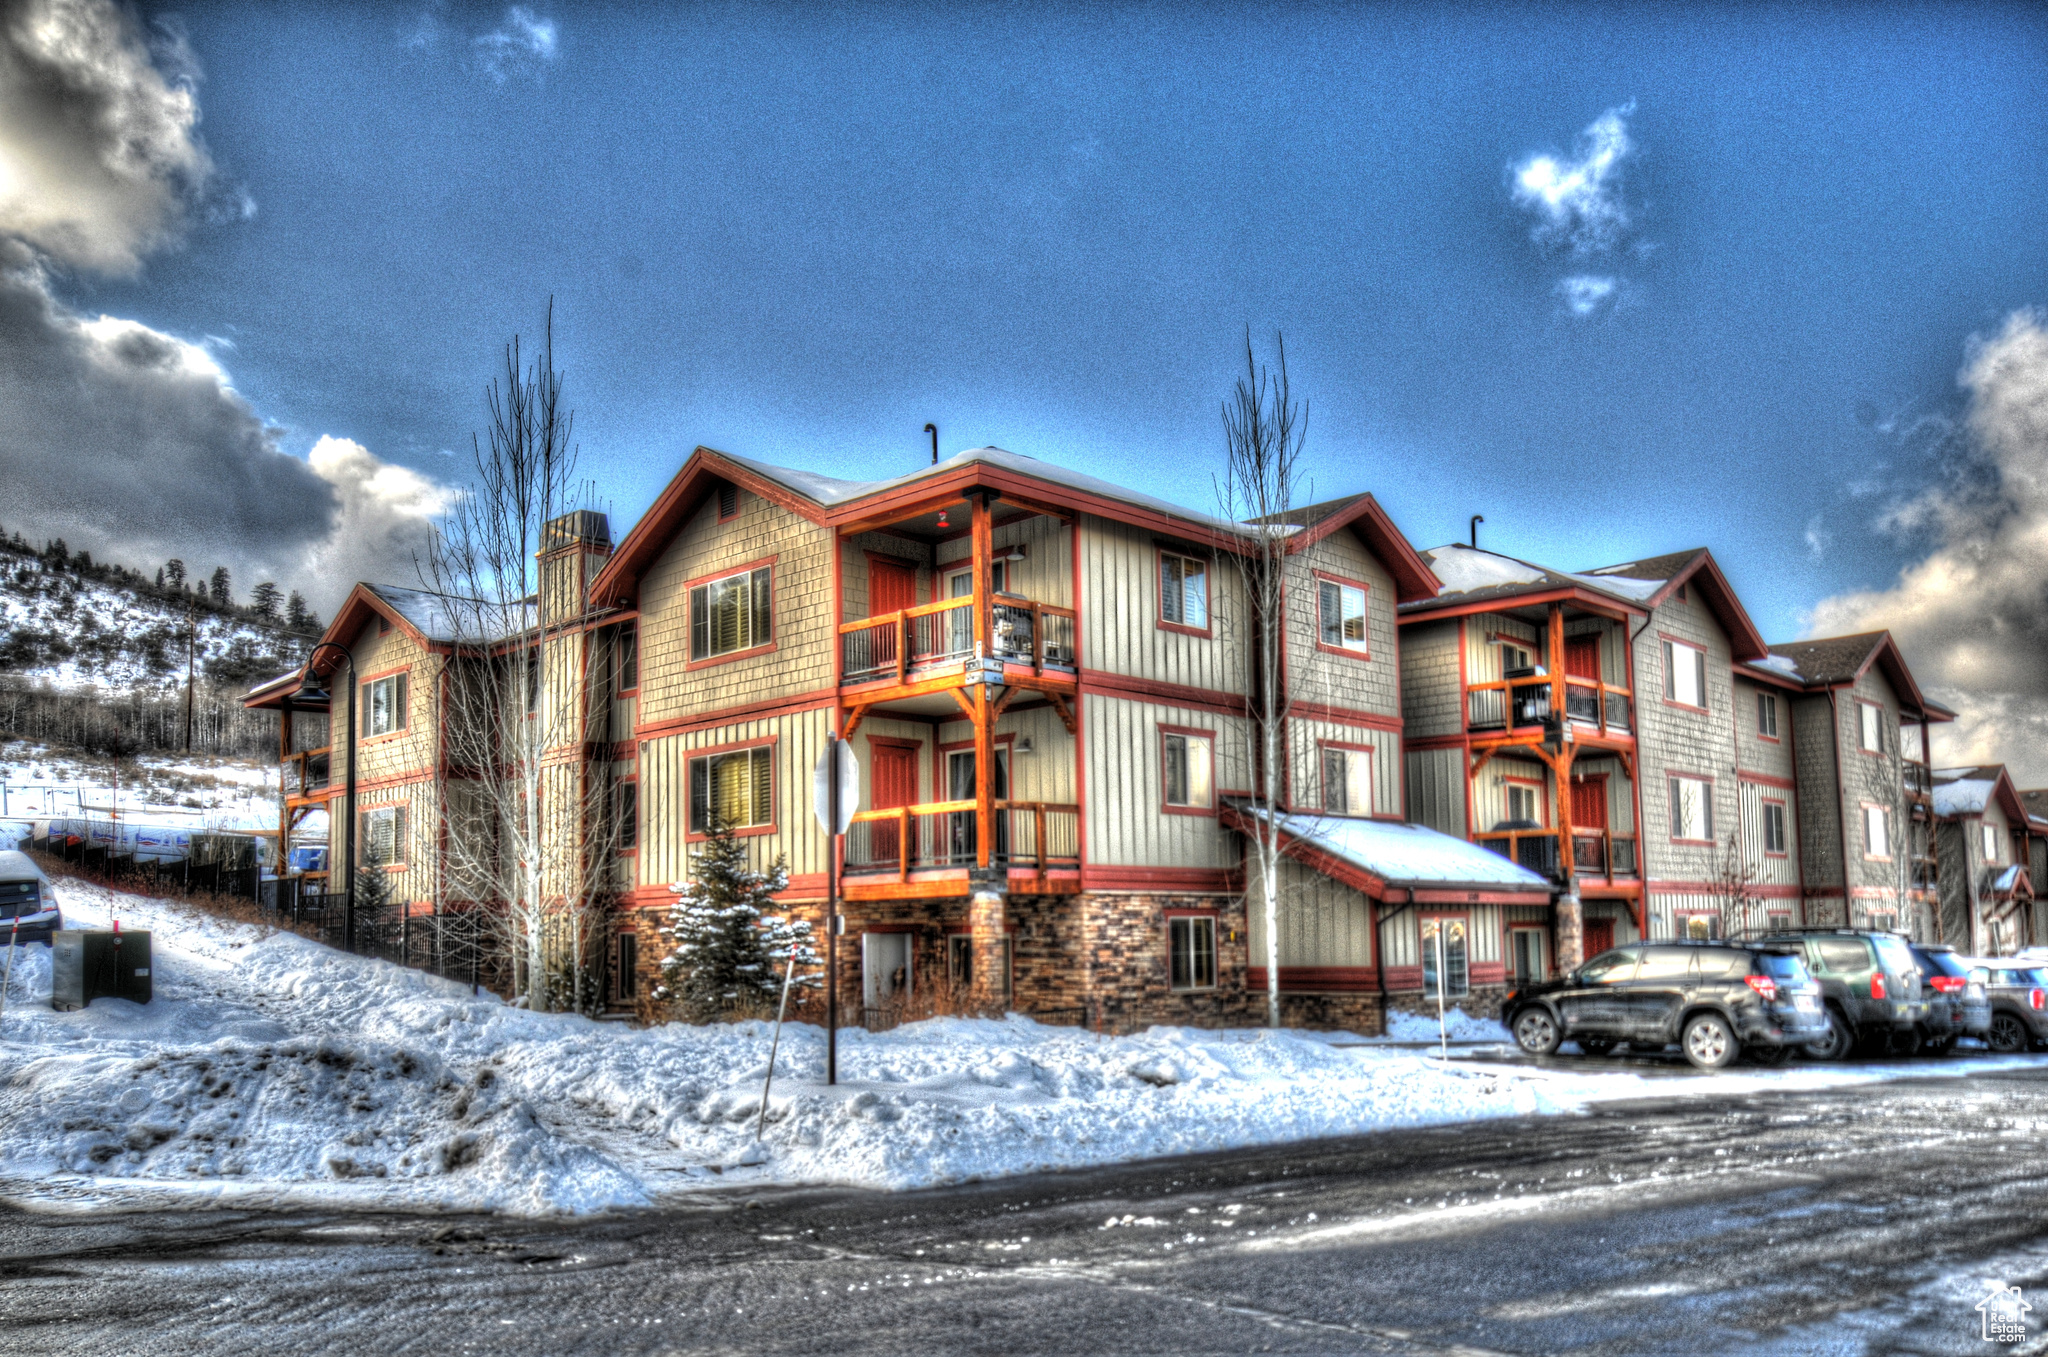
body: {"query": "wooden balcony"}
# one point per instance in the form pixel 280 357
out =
pixel 307 777
pixel 928 850
pixel 935 645
pixel 1504 706
pixel 1597 854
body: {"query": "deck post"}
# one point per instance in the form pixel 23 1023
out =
pixel 1571 937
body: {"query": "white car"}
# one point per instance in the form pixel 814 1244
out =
pixel 28 902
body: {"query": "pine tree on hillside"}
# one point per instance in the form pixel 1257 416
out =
pixel 223 596
pixel 174 571
pixel 263 601
pixel 728 952
pixel 159 579
pixel 298 616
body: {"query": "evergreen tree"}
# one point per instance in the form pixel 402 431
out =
pixel 377 922
pixel 174 571
pixel 159 578
pixel 298 616
pixel 263 601
pixel 727 951
pixel 57 552
pixel 223 596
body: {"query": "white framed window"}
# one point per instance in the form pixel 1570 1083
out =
pixel 1685 674
pixel 1340 615
pixel 1183 591
pixel 1872 731
pixel 736 788
pixel 1524 803
pixel 1187 769
pixel 1692 809
pixel 1514 657
pixel 1347 780
pixel 1989 834
pixel 1774 827
pixel 1445 936
pixel 384 836
pixel 1699 927
pixel 732 614
pixel 1767 715
pixel 1191 951
pixel 384 705
pixel 1877 832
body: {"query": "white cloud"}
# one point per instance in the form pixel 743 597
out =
pixel 1585 294
pixel 385 517
pixel 98 161
pixel 1818 539
pixel 1972 615
pixel 1578 202
pixel 523 42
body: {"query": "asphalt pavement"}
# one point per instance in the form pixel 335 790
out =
pixel 1864 1219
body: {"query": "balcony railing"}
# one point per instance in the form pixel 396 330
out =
pixel 1535 849
pixel 1605 708
pixel 307 773
pixel 945 834
pixel 1924 875
pixel 1597 852
pixel 933 636
pixel 1919 781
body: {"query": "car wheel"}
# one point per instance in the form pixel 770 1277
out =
pixel 1595 1045
pixel 2008 1035
pixel 1837 1044
pixel 1709 1043
pixel 1536 1032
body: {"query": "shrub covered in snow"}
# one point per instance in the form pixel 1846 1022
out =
pixel 727 952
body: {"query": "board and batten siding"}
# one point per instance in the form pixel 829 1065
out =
pixel 800 660
pixel 1127 826
pixel 1430 695
pixel 1120 614
pixel 1305 740
pixel 799 739
pixel 1401 935
pixel 1047 772
pixel 853 568
pixel 1322 922
pixel 1045 575
pixel 1436 789
pixel 1781 869
pixel 1342 680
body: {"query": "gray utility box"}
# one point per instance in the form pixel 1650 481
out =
pixel 96 963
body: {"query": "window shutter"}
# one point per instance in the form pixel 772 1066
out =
pixel 700 625
pixel 398 838
pixel 763 630
pixel 764 787
pixel 1330 613
pixel 700 795
pixel 1670 674
pixel 1706 810
pixel 1699 661
pixel 368 729
pixel 398 703
pixel 1169 588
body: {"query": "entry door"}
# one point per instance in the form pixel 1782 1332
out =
pixel 894 784
pixel 885 968
pixel 1589 813
pixel 1528 955
pixel 1582 658
pixel 1599 934
pixel 892 587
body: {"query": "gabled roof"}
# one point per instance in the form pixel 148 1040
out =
pixel 828 501
pixel 1967 791
pixel 2036 804
pixel 1838 661
pixel 1381 856
pixel 1413 580
pixel 1656 578
pixel 450 619
pixel 1469 575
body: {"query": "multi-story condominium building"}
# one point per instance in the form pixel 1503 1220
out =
pixel 1984 841
pixel 1626 732
pixel 1046 681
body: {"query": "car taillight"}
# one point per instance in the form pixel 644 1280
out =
pixel 2038 998
pixel 1947 984
pixel 1765 987
pixel 1877 985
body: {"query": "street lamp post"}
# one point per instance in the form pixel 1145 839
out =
pixel 311 691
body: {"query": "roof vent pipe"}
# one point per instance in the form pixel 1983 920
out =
pixel 1477 519
pixel 933 430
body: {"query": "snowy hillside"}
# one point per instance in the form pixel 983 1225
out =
pixel 271 1069
pixel 71 626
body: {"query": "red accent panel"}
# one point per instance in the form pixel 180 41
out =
pixel 1598 936
pixel 1488 972
pixel 1318 980
pixel 1404 977
pixel 1101 878
pixel 1172 694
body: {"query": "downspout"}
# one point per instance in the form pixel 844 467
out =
pixel 1841 805
pixel 1642 829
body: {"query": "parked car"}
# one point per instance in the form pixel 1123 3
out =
pixel 1870 983
pixel 1715 999
pixel 1956 1004
pixel 28 904
pixel 2018 992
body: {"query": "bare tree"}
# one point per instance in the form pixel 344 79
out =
pixel 1736 896
pixel 526 830
pixel 1263 429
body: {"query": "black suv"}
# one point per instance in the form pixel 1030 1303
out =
pixel 2019 1003
pixel 1956 1005
pixel 1871 984
pixel 1714 999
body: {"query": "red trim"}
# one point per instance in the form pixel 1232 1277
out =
pixel 1763 738
pixel 1181 879
pixel 1671 777
pixel 1193 733
pixel 1414 581
pixel 1781 804
pixel 1348 716
pixel 1159 554
pixel 729 656
pixel 752 711
pixel 1080 742
pixel 1877 753
pixel 1168 694
pixel 1366 654
pixel 1543 809
pixel 1766 780
pixel 723 516
pixel 1318 979
pixel 1371 781
pixel 774 641
pixel 1600 605
pixel 774 787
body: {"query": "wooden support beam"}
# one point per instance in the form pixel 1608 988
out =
pixel 1066 713
pixel 984 566
pixel 984 777
pixel 854 716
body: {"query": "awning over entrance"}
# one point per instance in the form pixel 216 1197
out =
pixel 1395 862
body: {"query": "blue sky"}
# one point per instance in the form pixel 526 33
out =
pixel 799 233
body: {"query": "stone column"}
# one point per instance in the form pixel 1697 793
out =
pixel 987 919
pixel 1571 928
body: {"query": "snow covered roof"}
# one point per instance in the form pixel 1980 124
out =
pixel 19 866
pixel 452 617
pixel 1967 791
pixel 1401 856
pixel 2007 879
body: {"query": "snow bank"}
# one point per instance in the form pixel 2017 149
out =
pixel 269 1069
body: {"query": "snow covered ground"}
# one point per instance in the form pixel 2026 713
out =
pixel 194 792
pixel 268 1069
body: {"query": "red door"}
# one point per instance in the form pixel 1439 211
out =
pixel 894 783
pixel 1589 802
pixel 1599 936
pixel 1582 657
pixel 892 587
